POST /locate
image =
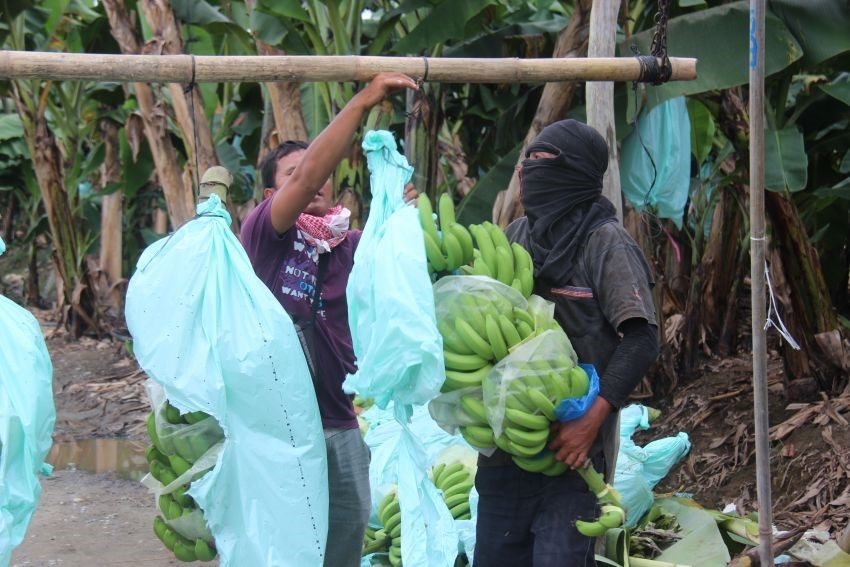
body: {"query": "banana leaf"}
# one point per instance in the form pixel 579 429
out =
pixel 719 39
pixel 701 543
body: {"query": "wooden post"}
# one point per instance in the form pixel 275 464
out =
pixel 554 102
pixel 242 68
pixel 757 277
pixel 600 95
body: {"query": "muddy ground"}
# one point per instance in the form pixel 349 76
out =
pixel 104 518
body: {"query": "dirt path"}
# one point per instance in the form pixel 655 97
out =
pixel 86 520
pixel 94 518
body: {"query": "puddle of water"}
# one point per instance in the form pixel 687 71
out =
pixel 124 457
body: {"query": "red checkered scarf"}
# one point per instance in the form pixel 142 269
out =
pixel 326 232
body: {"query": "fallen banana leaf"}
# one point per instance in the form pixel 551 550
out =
pixel 701 543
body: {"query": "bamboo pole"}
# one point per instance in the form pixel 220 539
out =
pixel 215 69
pixel 757 265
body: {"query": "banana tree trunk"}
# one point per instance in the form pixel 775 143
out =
pixel 180 203
pixel 194 126
pixel 74 290
pixel 711 296
pixel 808 306
pixel 112 219
pixel 285 101
pixel 554 103
pixel 111 214
pixel 804 300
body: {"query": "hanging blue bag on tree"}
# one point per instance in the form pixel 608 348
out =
pixel 27 416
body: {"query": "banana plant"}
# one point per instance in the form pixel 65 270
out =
pixel 56 119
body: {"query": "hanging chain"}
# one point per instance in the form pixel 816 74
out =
pixel 659 42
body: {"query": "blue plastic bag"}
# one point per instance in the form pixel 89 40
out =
pixel 213 335
pixel 27 416
pixel 666 133
pixel 573 408
pixel 390 300
pixel 639 469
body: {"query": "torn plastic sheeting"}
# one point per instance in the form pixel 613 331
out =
pixel 390 300
pixel 639 469
pixel 401 455
pixel 212 334
pixel 27 416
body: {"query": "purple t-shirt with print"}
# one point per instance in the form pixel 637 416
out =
pixel 288 266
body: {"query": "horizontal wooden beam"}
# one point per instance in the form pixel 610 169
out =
pixel 256 68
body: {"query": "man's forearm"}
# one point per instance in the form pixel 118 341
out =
pixel 328 149
pixel 636 352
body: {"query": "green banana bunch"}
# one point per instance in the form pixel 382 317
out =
pixel 184 549
pixel 375 541
pixel 497 258
pixel 449 248
pixel 170 456
pixel 455 481
pixel 389 514
pixel 544 463
pixel 613 514
pixel 612 517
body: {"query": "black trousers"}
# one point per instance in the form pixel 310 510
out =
pixel 527 519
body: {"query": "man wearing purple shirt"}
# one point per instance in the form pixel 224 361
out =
pixel 302 250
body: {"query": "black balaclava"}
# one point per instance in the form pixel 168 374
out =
pixel 562 196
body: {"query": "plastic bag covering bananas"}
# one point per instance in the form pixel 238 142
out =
pixel 481 250
pixel 177 442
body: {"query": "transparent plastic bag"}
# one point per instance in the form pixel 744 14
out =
pixel 539 366
pixel 401 455
pixel 471 298
pixel 452 414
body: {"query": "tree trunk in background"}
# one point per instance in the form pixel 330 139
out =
pixel 74 291
pixel 180 204
pixel 554 102
pixel 714 277
pixel 111 233
pixel 112 220
pixel 167 41
pixel 285 99
pixel 802 293
pixel 600 95
pixel 808 309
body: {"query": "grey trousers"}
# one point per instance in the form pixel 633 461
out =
pixel 349 498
